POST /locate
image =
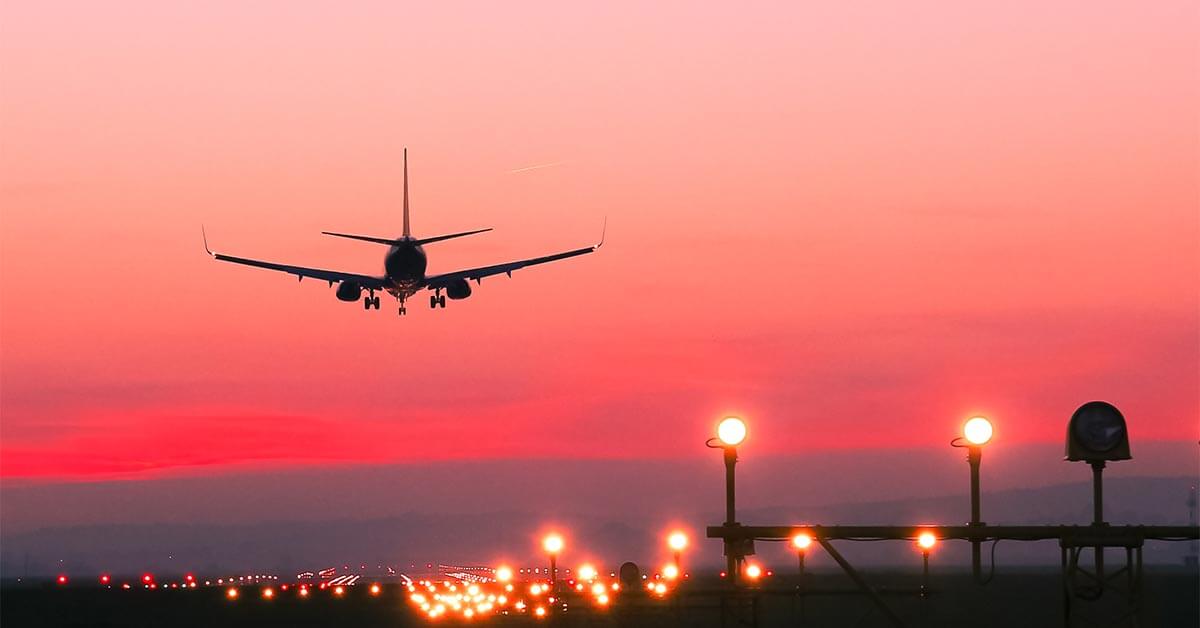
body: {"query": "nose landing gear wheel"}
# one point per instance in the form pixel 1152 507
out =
pixel 402 310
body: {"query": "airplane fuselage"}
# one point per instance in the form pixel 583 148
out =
pixel 404 266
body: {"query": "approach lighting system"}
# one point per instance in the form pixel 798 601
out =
pixel 1097 433
pixel 731 431
pixel 926 540
pixel 677 541
pixel 977 431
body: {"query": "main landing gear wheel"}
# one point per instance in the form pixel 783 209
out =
pixel 370 302
pixel 402 310
pixel 433 301
pixel 442 301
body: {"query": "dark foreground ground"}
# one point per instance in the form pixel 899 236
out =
pixel 1027 599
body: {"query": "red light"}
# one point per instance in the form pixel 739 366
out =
pixel 189 577
pixel 104 579
pixel 722 574
pixel 147 578
pixel 62 579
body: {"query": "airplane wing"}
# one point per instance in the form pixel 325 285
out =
pixel 332 276
pixel 441 281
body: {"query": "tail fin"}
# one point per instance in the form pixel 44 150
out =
pixel 407 230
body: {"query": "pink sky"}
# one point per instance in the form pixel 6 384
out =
pixel 855 224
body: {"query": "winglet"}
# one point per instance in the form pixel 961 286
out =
pixel 603 230
pixel 205 237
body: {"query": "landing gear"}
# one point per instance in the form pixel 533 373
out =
pixel 437 300
pixel 370 302
pixel 403 311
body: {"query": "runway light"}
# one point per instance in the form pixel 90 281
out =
pixel 62 579
pixel 660 588
pixel 375 589
pixel 731 431
pixel 303 592
pixel 587 572
pixel 268 593
pixel 753 572
pixel 977 430
pixel 553 543
pixel 504 574
pixel 105 578
pixel 801 541
pixel 147 578
pixel 231 593
pixel 670 572
pixel 338 590
pixel 539 611
pixel 926 540
pixel 677 541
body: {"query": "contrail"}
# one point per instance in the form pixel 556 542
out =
pixel 537 167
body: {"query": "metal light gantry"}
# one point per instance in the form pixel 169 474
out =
pixel 1096 434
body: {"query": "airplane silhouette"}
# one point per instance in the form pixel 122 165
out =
pixel 404 267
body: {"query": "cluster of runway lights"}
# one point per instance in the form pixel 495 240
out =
pixel 503 594
pixel 732 431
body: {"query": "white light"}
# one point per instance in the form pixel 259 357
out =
pixel 977 430
pixel 731 431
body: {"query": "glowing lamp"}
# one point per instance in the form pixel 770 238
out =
pixel 231 593
pixel 504 574
pixel 677 541
pixel 670 572
pixel 62 579
pixel 731 431
pixel 926 540
pixel 587 572
pixel 977 430
pixel 801 541
pixel 375 589
pixel 338 590
pixel 105 579
pixel 268 593
pixel 553 544
pixel 753 572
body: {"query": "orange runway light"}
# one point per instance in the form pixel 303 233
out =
pixel 926 540
pixel 553 543
pixel 677 541
pixel 587 572
pixel 231 593
pixel 268 593
pixel 338 590
pixel 504 574
pixel 670 572
pixel 375 589
pixel 753 572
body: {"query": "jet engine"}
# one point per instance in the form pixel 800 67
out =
pixel 458 289
pixel 348 291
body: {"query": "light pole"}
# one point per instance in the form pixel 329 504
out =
pixel 677 541
pixel 926 541
pixel 977 431
pixel 800 543
pixel 553 544
pixel 731 431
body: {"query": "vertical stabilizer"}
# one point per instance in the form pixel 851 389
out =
pixel 407 231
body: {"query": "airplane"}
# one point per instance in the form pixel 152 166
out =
pixel 404 267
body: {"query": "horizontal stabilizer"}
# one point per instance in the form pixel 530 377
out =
pixel 395 241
